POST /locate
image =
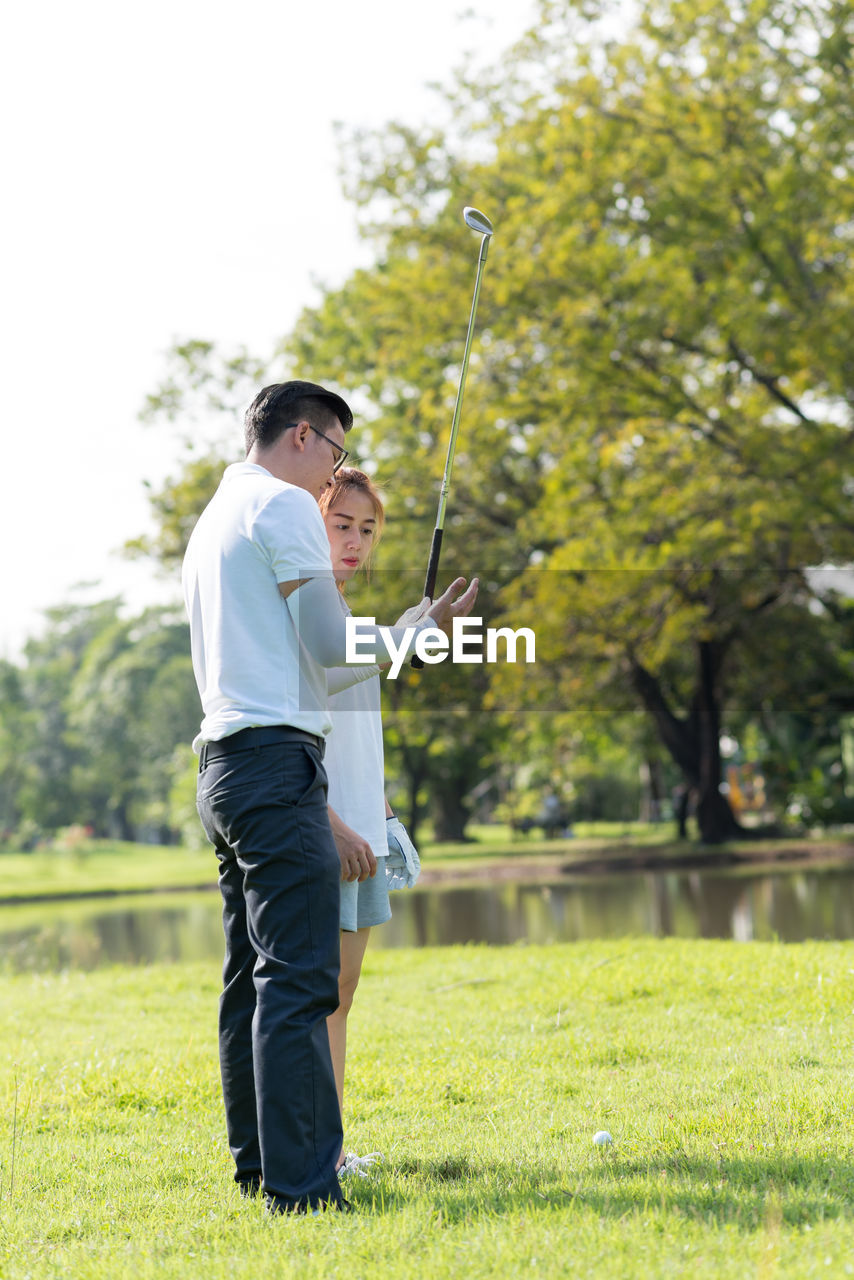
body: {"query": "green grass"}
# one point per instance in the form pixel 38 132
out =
pixel 497 848
pixel 723 1072
pixel 109 866
pixel 104 866
pixel 116 867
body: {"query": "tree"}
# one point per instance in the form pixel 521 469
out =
pixel 131 702
pixel 657 432
pixel 200 395
pixel 90 722
pixel 13 732
pixel 438 748
pixel 43 755
pixel 662 364
pixel 794 720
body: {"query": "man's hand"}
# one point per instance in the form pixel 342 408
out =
pixel 357 856
pixel 453 605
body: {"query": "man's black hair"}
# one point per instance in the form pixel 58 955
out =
pixel 284 402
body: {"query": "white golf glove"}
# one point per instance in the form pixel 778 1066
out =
pixel 417 613
pixel 403 865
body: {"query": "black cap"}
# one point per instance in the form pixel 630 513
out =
pixel 287 391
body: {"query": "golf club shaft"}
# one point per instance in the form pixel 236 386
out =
pixel 433 563
pixel 438 532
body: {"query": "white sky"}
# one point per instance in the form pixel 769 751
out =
pixel 148 159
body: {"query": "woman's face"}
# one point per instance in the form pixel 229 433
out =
pixel 351 527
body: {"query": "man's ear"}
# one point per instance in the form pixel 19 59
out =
pixel 297 436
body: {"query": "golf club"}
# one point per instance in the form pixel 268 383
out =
pixel 478 222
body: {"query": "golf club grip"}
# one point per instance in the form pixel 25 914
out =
pixel 430 580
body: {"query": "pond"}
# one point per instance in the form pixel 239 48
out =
pixel 788 905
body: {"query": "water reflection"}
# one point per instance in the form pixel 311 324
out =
pixel 127 932
pixel 791 906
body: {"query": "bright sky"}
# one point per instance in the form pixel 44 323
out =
pixel 149 162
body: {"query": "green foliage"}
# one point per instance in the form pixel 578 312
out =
pixel 795 717
pixel 660 362
pixel 183 816
pixel 175 508
pixel 201 389
pixel 13 723
pixel 202 392
pixel 656 436
pixel 90 721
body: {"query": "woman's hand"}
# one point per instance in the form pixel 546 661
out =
pixel 357 857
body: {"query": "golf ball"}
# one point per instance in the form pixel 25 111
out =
pixel 602 1138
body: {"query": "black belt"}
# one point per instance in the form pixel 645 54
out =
pixel 263 736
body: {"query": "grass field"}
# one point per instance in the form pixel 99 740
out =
pixel 100 866
pixel 104 866
pixel 723 1072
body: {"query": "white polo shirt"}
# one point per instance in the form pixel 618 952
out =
pixel 250 666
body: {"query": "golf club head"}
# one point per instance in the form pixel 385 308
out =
pixel 477 221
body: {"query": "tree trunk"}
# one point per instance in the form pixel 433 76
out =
pixel 652 791
pixel 694 741
pixel 450 813
pixel 682 804
pixel 118 824
pixel 415 775
pixel 715 818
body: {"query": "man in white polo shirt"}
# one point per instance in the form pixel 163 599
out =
pixel 266 621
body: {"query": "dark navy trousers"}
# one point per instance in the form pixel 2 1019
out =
pixel 262 802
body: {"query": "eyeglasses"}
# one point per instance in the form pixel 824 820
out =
pixel 341 454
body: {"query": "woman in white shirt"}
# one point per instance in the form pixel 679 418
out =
pixel 353 512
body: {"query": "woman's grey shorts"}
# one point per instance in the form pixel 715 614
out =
pixel 366 904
